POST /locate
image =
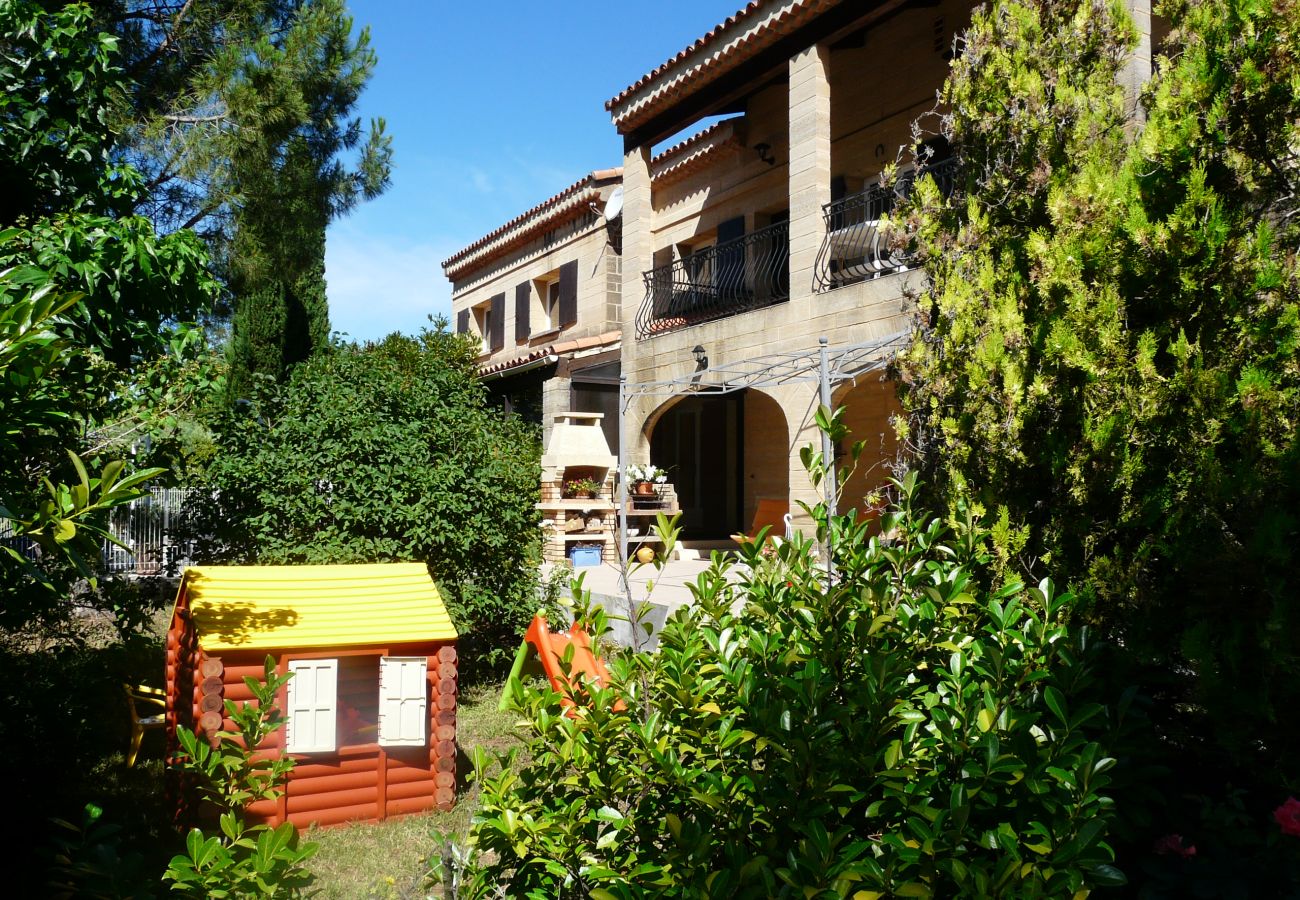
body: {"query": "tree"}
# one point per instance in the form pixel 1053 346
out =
pixel 385 453
pixel 86 291
pixel 1108 354
pixel 241 115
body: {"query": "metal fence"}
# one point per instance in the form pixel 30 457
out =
pixel 729 278
pixel 856 246
pixel 147 527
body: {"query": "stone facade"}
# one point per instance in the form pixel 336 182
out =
pixel 838 114
pixel 521 268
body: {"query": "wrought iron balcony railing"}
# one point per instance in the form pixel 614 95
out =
pixel 856 247
pixel 747 273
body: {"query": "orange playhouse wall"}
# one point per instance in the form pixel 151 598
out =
pixel 364 782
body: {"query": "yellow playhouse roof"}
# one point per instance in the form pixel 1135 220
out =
pixel 268 607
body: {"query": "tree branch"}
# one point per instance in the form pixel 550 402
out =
pixel 192 120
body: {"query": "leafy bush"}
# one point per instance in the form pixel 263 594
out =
pixel 905 730
pixel 385 453
pixel 242 860
pixel 1109 351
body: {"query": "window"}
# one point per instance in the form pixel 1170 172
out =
pixel 312 706
pixel 403 700
pixel 548 303
pixel 483 319
pixel 357 701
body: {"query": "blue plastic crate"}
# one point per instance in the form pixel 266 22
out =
pixel 584 556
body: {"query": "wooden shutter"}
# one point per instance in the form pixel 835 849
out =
pixel 313 705
pixel 462 321
pixel 568 294
pixel 498 323
pixel 523 300
pixel 403 701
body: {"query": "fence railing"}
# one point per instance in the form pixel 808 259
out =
pixel 146 526
pixel 732 277
pixel 856 246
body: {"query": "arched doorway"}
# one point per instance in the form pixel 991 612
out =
pixel 697 442
pixel 723 453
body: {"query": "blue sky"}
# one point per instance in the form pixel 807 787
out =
pixel 493 107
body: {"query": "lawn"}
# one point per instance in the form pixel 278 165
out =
pixel 386 859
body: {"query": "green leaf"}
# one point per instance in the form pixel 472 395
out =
pixel 1056 703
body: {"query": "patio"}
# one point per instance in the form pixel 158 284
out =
pixel 665 590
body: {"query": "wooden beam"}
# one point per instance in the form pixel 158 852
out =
pixel 734 86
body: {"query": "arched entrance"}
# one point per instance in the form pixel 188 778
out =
pixel 723 453
pixel 697 442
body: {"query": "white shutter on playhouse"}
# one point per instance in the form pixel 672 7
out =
pixel 403 700
pixel 313 705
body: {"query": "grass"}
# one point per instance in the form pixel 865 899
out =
pixel 386 859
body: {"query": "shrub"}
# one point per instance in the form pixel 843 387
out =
pixel 906 729
pixel 1109 344
pixel 385 453
pixel 242 860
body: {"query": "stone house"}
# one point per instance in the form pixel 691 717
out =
pixel 760 231
pixel 543 295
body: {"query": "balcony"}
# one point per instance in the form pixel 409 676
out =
pixel 856 246
pixel 747 273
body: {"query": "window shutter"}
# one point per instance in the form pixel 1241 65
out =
pixel 568 294
pixel 403 700
pixel 498 323
pixel 522 303
pixel 313 705
pixel 462 321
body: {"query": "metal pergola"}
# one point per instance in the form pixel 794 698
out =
pixel 823 365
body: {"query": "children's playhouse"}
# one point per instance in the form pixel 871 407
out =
pixel 371 707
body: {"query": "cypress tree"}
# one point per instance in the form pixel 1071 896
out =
pixel 242 116
pixel 1108 358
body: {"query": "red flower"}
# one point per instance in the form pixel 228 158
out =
pixel 1172 845
pixel 1288 817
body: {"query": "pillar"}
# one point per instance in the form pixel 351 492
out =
pixel 810 162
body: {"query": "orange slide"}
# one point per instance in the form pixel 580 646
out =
pixel 549 649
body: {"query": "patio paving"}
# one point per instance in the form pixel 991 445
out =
pixel 664 590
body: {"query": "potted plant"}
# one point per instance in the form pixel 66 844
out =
pixel 645 480
pixel 581 487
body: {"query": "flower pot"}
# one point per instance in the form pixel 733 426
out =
pixel 645 555
pixel 643 488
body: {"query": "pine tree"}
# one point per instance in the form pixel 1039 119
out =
pixel 242 114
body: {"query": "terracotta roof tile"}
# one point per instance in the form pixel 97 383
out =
pixel 576 195
pixel 699 149
pixel 718 51
pixel 560 348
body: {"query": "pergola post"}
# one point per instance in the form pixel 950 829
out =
pixel 828 449
pixel 622 487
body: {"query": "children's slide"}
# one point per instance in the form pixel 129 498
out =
pixel 548 649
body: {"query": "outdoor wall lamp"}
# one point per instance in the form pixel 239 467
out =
pixel 763 151
pixel 701 360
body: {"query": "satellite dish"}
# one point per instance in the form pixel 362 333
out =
pixel 614 205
